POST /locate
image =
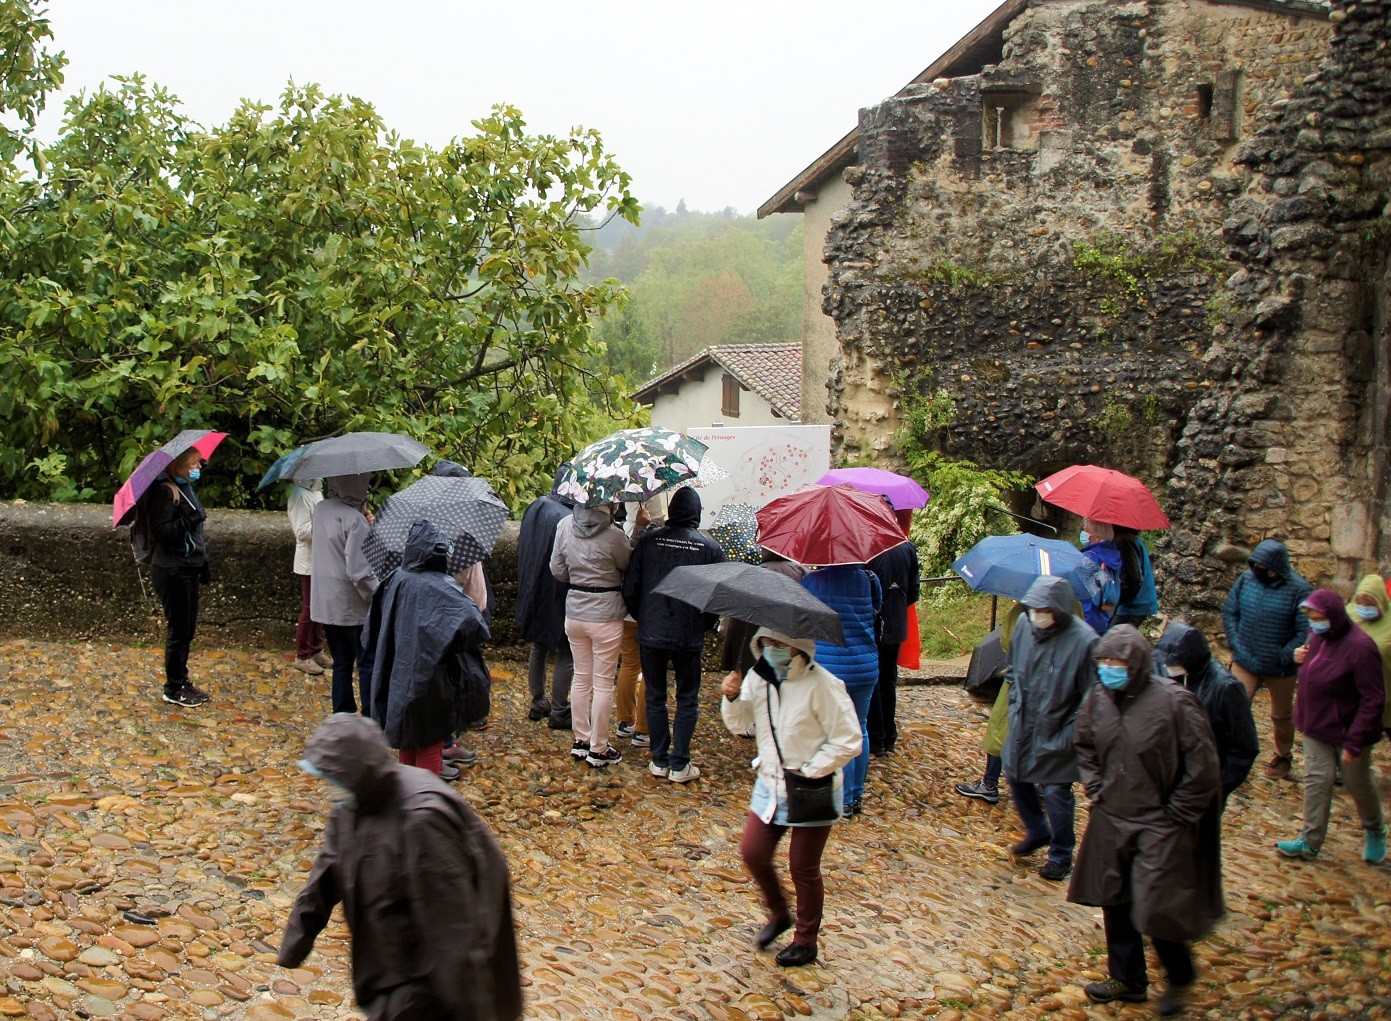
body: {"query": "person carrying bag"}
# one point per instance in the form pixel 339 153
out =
pixel 803 742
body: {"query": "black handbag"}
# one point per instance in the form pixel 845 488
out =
pixel 809 800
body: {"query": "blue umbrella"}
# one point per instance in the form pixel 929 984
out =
pixel 1006 565
pixel 282 464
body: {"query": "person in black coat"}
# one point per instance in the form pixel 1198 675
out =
pixel 1183 652
pixel 541 609
pixel 900 583
pixel 670 632
pixel 179 567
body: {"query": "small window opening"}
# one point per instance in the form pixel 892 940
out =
pixel 729 402
pixel 1205 102
pixel 1007 120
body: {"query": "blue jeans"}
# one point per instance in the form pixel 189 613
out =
pixel 858 768
pixel 993 765
pixel 671 741
pixel 1031 800
pixel 345 646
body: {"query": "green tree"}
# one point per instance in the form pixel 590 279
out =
pixel 28 72
pixel 294 273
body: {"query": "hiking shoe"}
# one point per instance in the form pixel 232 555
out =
pixel 1029 845
pixel 308 666
pixel 1278 768
pixel 579 750
pixel 598 760
pixel 1174 1001
pixel 857 806
pixel 559 724
pixel 323 659
pixel 482 724
pixel 538 713
pixel 185 695
pixel 1297 848
pixel 1055 871
pixel 460 756
pixel 448 773
pixel 660 772
pixel 1374 849
pixel 1114 989
pixel 626 730
pixel 794 955
pixel 684 775
pixel 990 795
pixel 642 741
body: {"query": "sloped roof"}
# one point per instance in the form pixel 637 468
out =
pixel 772 371
pixel 983 45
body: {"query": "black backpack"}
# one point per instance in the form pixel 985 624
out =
pixel 142 540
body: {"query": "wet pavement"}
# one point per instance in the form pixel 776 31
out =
pixel 149 855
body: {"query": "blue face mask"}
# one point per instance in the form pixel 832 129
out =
pixel 1114 677
pixel 1320 627
pixel 195 474
pixel 777 658
pixel 1366 612
pixel 1084 537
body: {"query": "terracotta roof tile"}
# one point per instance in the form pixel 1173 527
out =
pixel 772 371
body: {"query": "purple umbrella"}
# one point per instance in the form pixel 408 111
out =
pixel 123 506
pixel 903 492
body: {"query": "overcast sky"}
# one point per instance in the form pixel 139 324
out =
pixel 719 103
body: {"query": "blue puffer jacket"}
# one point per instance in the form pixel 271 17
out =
pixel 853 593
pixel 1263 622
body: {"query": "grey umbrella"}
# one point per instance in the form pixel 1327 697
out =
pixel 356 454
pixel 756 595
pixel 464 508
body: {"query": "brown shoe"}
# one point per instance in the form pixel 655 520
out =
pixel 308 666
pixel 1278 768
pixel 323 659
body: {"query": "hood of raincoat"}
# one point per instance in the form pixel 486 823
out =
pixel 351 489
pixel 1051 593
pixel 684 509
pixel 1330 604
pixel 351 749
pixel 803 645
pixel 426 548
pixel 1372 585
pixel 1272 555
pixel 451 470
pixel 1124 641
pixel 590 521
pixel 555 485
pixel 1185 646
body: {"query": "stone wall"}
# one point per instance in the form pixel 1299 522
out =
pixel 69 575
pixel 1053 262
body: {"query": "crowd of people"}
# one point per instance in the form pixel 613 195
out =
pixel 1159 736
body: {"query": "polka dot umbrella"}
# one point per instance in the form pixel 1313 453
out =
pixel 465 509
pixel 735 528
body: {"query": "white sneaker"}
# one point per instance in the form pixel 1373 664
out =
pixel 684 775
pixel 658 771
pixel 641 741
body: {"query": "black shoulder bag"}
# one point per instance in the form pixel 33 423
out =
pixel 808 800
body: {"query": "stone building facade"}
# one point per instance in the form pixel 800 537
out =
pixel 1080 254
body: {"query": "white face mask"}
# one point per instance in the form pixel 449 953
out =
pixel 1042 619
pixel 1178 673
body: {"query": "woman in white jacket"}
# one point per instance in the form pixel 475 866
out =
pixel 817 732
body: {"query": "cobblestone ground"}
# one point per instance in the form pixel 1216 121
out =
pixel 117 811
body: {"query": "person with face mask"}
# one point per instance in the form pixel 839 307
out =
pixel 179 567
pixel 1050 659
pixel 1186 658
pixel 1151 855
pixel 1338 710
pixel 803 721
pixel 342 585
pixel 1264 626
pixel 309 635
pixel 1098 541
pixel 1371 611
pixel 423 884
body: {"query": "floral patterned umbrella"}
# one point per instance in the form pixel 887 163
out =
pixel 630 466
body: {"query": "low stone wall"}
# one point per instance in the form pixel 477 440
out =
pixel 67 574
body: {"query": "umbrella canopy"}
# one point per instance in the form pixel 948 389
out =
pixel 123 506
pixel 827 525
pixel 1103 494
pixel 631 465
pixel 356 454
pixel 1006 565
pixel 282 464
pixel 903 492
pixel 757 595
pixel 735 528
pixel 464 508
pixel 709 474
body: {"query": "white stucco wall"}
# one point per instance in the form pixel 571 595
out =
pixel 697 405
pixel 818 329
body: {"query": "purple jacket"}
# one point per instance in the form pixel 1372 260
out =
pixel 1341 691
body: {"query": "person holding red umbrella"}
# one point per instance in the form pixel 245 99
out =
pixel 179 565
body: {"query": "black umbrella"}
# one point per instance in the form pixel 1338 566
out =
pixel 465 509
pixel 356 454
pixel 756 595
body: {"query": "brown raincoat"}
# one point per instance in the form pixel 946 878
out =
pixel 1149 764
pixel 423 883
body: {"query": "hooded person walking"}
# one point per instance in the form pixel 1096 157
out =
pixel 423 637
pixel 423 883
pixel 1187 659
pixel 540 613
pixel 1264 627
pixel 1338 710
pixel 342 585
pixel 1151 855
pixel 1372 613
pixel 1051 669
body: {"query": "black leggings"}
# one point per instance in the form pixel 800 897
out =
pixel 177 588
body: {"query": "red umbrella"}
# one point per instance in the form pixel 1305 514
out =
pixel 826 525
pixel 1104 494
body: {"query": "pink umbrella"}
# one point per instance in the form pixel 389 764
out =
pixel 154 465
pixel 1104 494
pixel 903 492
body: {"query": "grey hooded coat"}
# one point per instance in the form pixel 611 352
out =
pixel 1050 672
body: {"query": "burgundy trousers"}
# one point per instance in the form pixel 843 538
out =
pixel 430 758
pixel 804 862
pixel 309 636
